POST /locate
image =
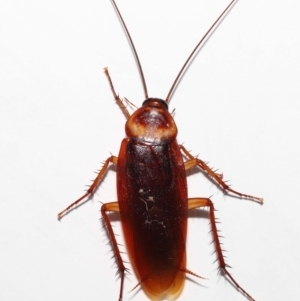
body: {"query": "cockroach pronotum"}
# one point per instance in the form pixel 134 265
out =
pixel 152 192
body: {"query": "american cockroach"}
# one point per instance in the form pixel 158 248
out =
pixel 152 192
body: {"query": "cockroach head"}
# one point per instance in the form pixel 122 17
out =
pixel 155 102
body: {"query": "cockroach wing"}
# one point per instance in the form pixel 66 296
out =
pixel 152 196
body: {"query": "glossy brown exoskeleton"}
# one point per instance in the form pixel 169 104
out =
pixel 152 195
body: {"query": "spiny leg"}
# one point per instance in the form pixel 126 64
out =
pixel 206 202
pixel 117 98
pixel 130 103
pixel 114 207
pixel 217 177
pixel 92 188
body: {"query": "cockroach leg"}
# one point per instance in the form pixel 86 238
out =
pixel 114 207
pixel 217 177
pixel 191 163
pixel 192 273
pixel 131 104
pixel 206 202
pixel 92 188
pixel 117 98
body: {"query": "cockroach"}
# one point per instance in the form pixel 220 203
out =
pixel 152 192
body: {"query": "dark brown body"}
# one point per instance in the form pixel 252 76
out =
pixel 152 196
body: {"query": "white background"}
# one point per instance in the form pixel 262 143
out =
pixel 237 106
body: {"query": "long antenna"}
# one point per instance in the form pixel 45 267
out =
pixel 134 50
pixel 196 48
